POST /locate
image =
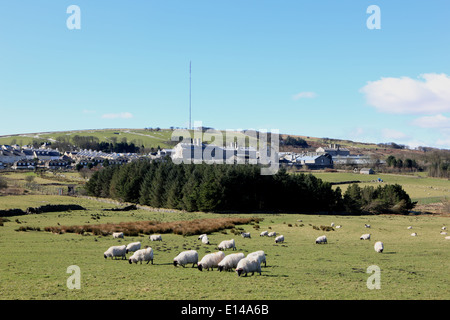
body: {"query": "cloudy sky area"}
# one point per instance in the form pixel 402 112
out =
pixel 303 67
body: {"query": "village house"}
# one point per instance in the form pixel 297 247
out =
pixel 56 164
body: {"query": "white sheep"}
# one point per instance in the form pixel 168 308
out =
pixel 142 255
pixel 134 246
pixel 155 237
pixel 410 227
pixel 211 260
pixel 116 251
pixel 186 257
pixel 367 225
pixel 227 244
pixel 279 239
pixel 230 261
pixel 201 236
pixel 321 239
pixel 264 234
pixel 365 237
pixel 444 228
pixel 260 255
pixel 247 265
pixel 414 234
pixel 118 235
pixel 338 226
pixel 332 224
pixel 205 239
pixel 245 234
pixel 272 234
pixel 444 233
pixel 379 247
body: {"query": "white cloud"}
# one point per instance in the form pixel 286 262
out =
pixel 304 94
pixel 428 94
pixel 437 121
pixel 122 115
pixel 393 134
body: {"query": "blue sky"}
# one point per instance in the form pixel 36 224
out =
pixel 303 67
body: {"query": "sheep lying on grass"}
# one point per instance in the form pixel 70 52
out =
pixel 211 260
pixel 142 255
pixel 230 261
pixel 260 255
pixel 116 251
pixel 134 246
pixel 365 237
pixel 186 257
pixel 155 237
pixel 247 265
pixel 227 244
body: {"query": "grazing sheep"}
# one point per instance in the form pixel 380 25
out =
pixel 272 234
pixel 379 247
pixel 116 251
pixel 338 226
pixel 321 239
pixel 142 255
pixel 201 236
pixel 264 234
pixel 279 239
pixel 185 257
pixel 248 264
pixel 332 224
pixel 367 225
pixel 227 244
pixel 134 246
pixel 205 239
pixel 444 228
pixel 414 234
pixel 365 237
pixel 409 227
pixel 211 260
pixel 230 261
pixel 444 233
pixel 118 235
pixel 155 237
pixel 260 255
pixel 245 234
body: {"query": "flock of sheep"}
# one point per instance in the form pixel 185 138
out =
pixel 238 261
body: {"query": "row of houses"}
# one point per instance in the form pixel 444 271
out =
pixel 17 158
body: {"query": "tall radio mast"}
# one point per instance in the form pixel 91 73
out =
pixel 190 95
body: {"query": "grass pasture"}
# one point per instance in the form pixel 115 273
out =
pixel 419 187
pixel 34 263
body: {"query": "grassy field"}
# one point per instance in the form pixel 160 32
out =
pixel 148 138
pixel 34 263
pixel 419 187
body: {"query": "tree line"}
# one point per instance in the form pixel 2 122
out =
pixel 225 188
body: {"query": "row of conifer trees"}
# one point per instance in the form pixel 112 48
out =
pixel 225 188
